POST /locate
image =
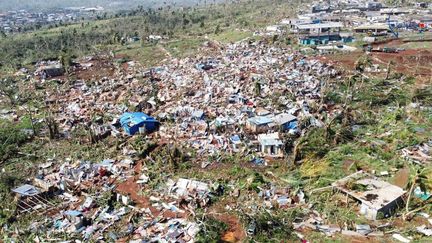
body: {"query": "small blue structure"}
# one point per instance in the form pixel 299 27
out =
pixel 73 213
pixel 133 121
pixel 286 121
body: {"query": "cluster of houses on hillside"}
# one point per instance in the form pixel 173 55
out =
pixel 346 21
pixel 21 20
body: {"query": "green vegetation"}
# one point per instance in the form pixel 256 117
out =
pixel 147 55
pixel 272 227
pixel 211 230
pixel 180 26
pixel 12 136
pixel 366 120
pixel 231 36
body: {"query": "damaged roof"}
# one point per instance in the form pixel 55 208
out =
pixel 26 190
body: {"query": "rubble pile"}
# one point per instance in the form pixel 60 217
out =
pixel 96 197
pixel 282 197
pixel 242 99
pixel 420 154
pixel 249 103
pixel 212 104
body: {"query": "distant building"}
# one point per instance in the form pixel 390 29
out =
pixel 274 29
pixel 154 38
pixel 317 27
pixel 374 6
pixel 422 4
pixel 375 29
pixel 317 32
pixel 393 11
pixel 320 8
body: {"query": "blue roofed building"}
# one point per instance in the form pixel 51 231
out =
pixel 134 122
pixel 286 122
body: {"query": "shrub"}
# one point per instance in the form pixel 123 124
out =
pixel 11 137
pixel 211 230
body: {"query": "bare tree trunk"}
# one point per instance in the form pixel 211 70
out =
pixel 92 136
pixel 31 121
pixel 410 192
pixel 388 70
pixel 52 126
pixel 297 151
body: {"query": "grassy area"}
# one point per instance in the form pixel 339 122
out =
pixel 148 56
pixel 231 36
pixel 183 47
pixel 182 26
pixel 417 45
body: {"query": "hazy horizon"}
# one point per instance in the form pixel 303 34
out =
pixel 14 5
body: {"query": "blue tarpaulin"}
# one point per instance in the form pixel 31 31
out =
pixel 260 120
pixel 235 139
pixel 258 161
pixel 290 125
pixel 422 195
pixel 133 121
pixel 73 213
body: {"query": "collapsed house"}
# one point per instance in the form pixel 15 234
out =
pixel 86 213
pixel 194 193
pixel 52 71
pixel 29 199
pixel 206 108
pixel 378 198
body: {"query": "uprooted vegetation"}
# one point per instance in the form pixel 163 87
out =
pixel 374 120
pixel 360 122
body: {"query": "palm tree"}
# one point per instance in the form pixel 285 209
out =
pixel 422 179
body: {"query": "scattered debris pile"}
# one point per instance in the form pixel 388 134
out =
pixel 378 198
pixel 97 197
pixel 420 154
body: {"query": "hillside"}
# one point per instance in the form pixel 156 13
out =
pixel 220 122
pixel 107 4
